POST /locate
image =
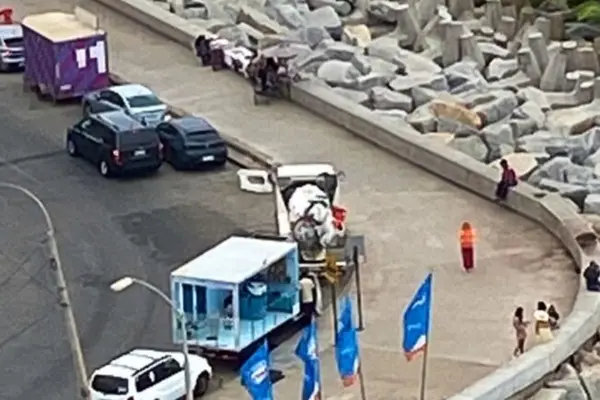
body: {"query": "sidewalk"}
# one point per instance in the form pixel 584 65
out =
pixel 410 219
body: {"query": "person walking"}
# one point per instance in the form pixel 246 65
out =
pixel 543 333
pixel 467 246
pixel 520 326
pixel 507 180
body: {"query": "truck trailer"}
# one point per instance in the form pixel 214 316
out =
pixel 236 295
pixel 66 55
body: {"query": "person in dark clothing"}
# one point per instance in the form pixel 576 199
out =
pixel 592 277
pixel 507 181
pixel 554 317
pixel 202 49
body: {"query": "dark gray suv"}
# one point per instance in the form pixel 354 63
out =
pixel 116 143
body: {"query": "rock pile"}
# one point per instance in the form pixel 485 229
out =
pixel 486 81
pixel 572 383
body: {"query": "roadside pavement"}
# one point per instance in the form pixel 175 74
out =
pixel 410 218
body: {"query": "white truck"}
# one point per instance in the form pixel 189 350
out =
pixel 307 210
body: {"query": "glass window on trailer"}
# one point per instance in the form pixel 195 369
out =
pixel 107 384
pixel 138 137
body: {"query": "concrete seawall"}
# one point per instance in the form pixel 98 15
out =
pixel 557 215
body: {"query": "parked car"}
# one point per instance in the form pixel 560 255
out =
pixel 116 143
pixel 191 142
pixel 12 54
pixel 136 100
pixel 149 375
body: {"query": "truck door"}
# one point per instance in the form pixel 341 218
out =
pixel 254 181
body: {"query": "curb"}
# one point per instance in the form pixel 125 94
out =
pixel 556 214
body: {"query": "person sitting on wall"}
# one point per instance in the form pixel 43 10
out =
pixel 592 277
pixel 202 49
pixel 507 180
pixel 554 317
pixel 307 296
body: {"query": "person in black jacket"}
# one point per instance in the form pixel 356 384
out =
pixel 592 277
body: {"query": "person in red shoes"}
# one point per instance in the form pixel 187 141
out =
pixel 467 246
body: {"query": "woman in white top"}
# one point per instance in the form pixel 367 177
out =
pixel 543 333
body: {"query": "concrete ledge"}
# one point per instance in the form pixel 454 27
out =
pixel 551 211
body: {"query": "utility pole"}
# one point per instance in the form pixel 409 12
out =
pixel 63 294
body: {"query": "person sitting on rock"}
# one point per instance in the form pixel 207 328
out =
pixel 507 181
pixel 592 277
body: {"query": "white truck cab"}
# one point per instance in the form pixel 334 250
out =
pixel 144 374
pixel 307 207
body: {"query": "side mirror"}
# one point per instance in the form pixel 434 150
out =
pixel 341 175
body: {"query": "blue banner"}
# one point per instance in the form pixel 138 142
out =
pixel 417 320
pixel 255 374
pixel 307 351
pixel 346 348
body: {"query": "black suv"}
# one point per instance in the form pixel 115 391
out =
pixel 116 143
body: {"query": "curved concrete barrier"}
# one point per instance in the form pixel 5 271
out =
pixel 557 215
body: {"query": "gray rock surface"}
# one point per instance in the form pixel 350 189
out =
pixel 386 99
pixel 338 73
pixel 472 146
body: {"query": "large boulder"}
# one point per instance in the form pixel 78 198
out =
pixel 541 142
pixel 386 99
pixel 287 15
pixel 562 169
pixel 338 73
pixel 422 119
pixel 499 68
pixel 387 48
pixel 463 76
pixel 497 109
pixel 531 110
pixel 357 35
pixel 472 146
pixel 457 112
pixel 328 19
pixel 592 204
pixel 405 83
pixel 340 51
pixel 313 36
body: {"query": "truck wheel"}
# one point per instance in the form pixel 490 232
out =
pixel 201 385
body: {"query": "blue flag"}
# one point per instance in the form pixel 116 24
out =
pixel 306 350
pixel 416 320
pixel 255 374
pixel 346 348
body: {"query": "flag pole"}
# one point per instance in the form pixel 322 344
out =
pixel 361 382
pixel 426 349
pixel 424 373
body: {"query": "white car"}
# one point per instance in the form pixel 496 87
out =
pixel 136 100
pixel 149 375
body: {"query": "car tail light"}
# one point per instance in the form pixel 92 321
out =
pixel 116 154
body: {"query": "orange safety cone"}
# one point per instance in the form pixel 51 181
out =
pixel 467 246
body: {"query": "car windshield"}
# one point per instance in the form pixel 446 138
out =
pixel 14 42
pixel 107 384
pixel 147 100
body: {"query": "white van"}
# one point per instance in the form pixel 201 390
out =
pixel 149 375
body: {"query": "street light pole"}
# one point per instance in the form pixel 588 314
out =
pixel 127 281
pixel 63 293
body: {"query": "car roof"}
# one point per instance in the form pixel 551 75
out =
pixel 119 120
pixel 130 363
pixel 190 124
pixel 131 89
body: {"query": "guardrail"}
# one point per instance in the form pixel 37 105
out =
pixel 557 215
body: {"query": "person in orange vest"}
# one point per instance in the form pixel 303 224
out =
pixel 467 246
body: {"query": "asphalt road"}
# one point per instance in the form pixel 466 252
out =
pixel 106 229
